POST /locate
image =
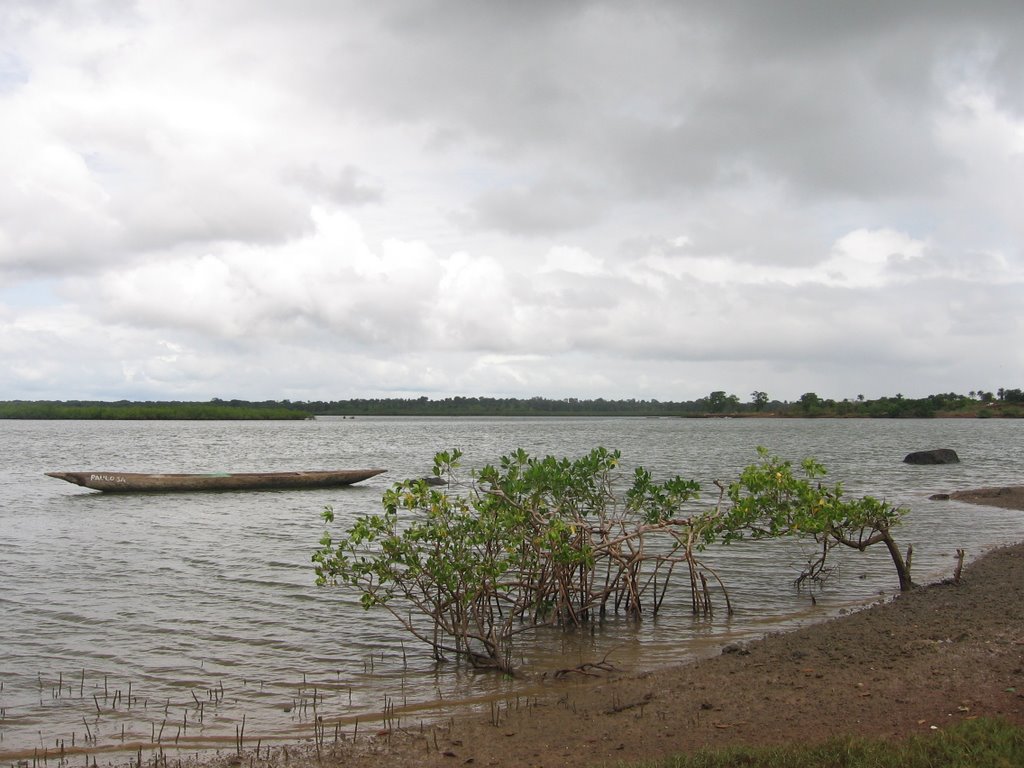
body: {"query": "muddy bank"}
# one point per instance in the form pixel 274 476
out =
pixel 1007 496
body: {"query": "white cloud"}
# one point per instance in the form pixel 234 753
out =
pixel 572 260
pixel 335 199
pixel 866 259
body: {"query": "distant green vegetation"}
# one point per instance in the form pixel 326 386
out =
pixel 1004 403
pixel 981 743
pixel 156 411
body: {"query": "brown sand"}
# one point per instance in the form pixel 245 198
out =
pixel 930 658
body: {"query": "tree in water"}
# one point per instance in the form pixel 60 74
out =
pixel 467 567
pixel 770 500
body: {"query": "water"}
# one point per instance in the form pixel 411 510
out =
pixel 127 619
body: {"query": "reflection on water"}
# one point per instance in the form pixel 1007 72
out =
pixel 128 619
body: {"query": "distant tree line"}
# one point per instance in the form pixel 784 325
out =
pixel 981 404
pixel 215 410
pixel 1006 403
pixel 499 406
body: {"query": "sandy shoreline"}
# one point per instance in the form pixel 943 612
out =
pixel 932 657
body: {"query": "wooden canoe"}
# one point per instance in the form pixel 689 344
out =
pixel 135 482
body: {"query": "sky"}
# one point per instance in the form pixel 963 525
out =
pixel 334 199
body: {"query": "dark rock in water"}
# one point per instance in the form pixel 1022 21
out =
pixel 939 497
pixel 935 456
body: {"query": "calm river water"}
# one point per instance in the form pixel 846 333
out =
pixel 132 619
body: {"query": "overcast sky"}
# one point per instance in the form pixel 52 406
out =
pixel 323 199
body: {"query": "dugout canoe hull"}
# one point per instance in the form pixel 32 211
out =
pixel 137 482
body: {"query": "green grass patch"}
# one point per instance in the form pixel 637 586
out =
pixel 981 743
